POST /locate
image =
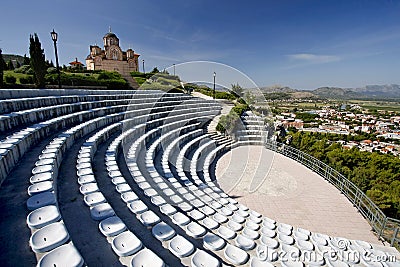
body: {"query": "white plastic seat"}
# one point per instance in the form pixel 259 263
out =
pixel 210 223
pixel 163 231
pixel 43 216
pixel 237 218
pixel 251 225
pixel 122 188
pixel 235 255
pixel 220 218
pixel 149 218
pixel 176 199
pixel 118 180
pixel 319 240
pixel 137 206
pixel 49 237
pixel 282 229
pixel 88 188
pixel 305 245
pixel 37 178
pixel 158 200
pixel 112 226
pixel 250 233
pixel 41 187
pixel 226 233
pixel 207 210
pixel 44 162
pixel 244 242
pixel 215 205
pixel 225 211
pixel 146 258
pixel 85 171
pixel 65 255
pixel 40 200
pixel 42 169
pixel 268 232
pixel 269 242
pixel 83 165
pixel 195 230
pixel 185 206
pixel 300 236
pixel 94 199
pixel 202 259
pixel 125 244
pixel 180 219
pixel 129 196
pixel 255 219
pixel 197 203
pixel 180 246
pixel 86 179
pixel 196 215
pixel 213 242
pixel 288 240
pixel 150 192
pixel 101 211
pixel 167 209
pixel 268 220
pixel 234 226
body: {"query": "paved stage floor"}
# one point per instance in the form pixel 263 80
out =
pixel 286 191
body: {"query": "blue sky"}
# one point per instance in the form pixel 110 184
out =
pixel 301 44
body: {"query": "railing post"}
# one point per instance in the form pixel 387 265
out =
pixel 394 236
pixel 383 227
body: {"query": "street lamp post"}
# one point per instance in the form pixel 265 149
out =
pixel 215 74
pixel 174 69
pixel 143 66
pixel 54 36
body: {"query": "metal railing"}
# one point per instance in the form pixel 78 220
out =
pixel 386 227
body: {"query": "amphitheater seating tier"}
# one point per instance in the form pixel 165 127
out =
pixel 143 178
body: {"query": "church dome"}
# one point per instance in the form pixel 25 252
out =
pixel 110 34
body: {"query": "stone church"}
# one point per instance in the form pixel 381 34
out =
pixel 112 58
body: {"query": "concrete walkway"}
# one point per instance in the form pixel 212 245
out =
pixel 286 191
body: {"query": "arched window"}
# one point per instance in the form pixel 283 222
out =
pixel 114 54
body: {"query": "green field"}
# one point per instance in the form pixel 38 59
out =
pixel 16 75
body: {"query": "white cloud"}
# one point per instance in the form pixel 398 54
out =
pixel 313 59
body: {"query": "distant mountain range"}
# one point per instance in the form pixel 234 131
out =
pixel 388 91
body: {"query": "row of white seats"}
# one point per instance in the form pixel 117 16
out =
pixel 12 104
pixel 43 199
pixel 48 231
pixel 14 146
pixel 146 218
pixel 300 237
pixel 177 244
pixel 20 118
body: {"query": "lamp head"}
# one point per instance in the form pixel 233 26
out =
pixel 54 36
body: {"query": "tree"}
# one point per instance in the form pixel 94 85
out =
pixel 10 65
pixel 155 70
pixel 237 90
pixel 1 68
pixel 26 60
pixel 37 62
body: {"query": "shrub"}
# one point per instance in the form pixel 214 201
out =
pixel 10 79
pixel 26 80
pixel 23 69
pixel 108 75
